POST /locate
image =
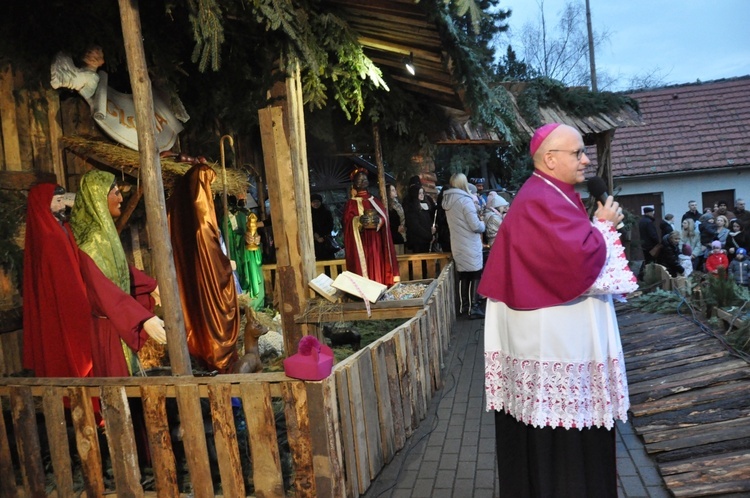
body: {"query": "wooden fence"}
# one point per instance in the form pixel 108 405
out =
pixel 411 267
pixel 335 435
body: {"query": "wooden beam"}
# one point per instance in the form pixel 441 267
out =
pixel 154 188
pixel 132 203
pixel 55 134
pixel 284 152
pixel 11 144
pixel 24 180
pixel 398 48
pixel 379 163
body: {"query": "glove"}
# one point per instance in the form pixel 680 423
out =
pixel 154 327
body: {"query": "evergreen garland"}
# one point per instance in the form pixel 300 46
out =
pixel 657 301
pixel 490 105
pixel 208 33
pixel 580 102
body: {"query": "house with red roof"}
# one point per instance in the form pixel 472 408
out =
pixel 694 144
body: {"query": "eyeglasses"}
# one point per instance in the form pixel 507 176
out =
pixel 578 152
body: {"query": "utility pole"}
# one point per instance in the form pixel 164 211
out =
pixel 592 63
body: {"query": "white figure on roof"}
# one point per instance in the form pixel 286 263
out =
pixel 113 111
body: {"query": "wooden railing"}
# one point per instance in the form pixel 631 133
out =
pixel 337 435
pixel 411 267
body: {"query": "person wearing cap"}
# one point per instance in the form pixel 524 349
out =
pixel 478 184
pixel 669 256
pixel 493 213
pixel 649 236
pixel 369 249
pixel 716 259
pixel 554 367
pixel 739 268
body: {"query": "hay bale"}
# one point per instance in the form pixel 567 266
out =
pixel 121 159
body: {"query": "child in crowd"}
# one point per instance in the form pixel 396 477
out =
pixel 685 259
pixel 717 258
pixel 739 268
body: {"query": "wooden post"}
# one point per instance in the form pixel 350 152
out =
pixel 604 158
pixel 283 138
pixel 379 163
pixel 55 134
pixel 153 188
pixel 11 144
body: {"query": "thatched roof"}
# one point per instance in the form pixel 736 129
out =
pixel 121 159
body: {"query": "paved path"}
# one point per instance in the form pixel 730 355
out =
pixel 452 453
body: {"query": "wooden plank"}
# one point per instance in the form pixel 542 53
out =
pixel 394 392
pixel 87 440
pixel 688 399
pixel 295 266
pixel 159 439
pixel 8 482
pixel 194 440
pixel 404 376
pixel 298 434
pixel 10 352
pixel 383 396
pixel 713 373
pixel 24 131
pixel 352 485
pixel 315 316
pixel 57 435
pixel 370 411
pixel 426 341
pixel 433 342
pixel 27 440
pixel 11 145
pixel 326 443
pixel 356 406
pixel 264 446
pixel 225 436
pixel 55 134
pixel 725 475
pixel 707 463
pixel 38 132
pixel 96 382
pixel 418 377
pixel 696 436
pixel 713 489
pixel 119 424
pixel 23 180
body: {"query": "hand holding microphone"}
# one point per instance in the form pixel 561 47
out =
pixel 608 208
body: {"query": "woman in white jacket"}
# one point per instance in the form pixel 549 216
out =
pixel 466 228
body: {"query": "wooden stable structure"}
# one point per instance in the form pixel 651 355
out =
pixel 339 434
pixel 690 402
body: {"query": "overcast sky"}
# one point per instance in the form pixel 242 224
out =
pixel 687 40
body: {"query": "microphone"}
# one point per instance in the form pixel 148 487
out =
pixel 598 190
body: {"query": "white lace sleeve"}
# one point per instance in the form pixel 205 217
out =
pixel 615 277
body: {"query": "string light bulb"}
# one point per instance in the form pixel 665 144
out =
pixel 409 64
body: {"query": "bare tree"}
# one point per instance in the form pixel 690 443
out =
pixel 561 52
pixel 651 78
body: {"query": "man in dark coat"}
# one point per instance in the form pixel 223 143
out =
pixel 649 235
pixel 692 212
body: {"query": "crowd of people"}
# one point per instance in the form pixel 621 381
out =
pixel 706 241
pixel 464 220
